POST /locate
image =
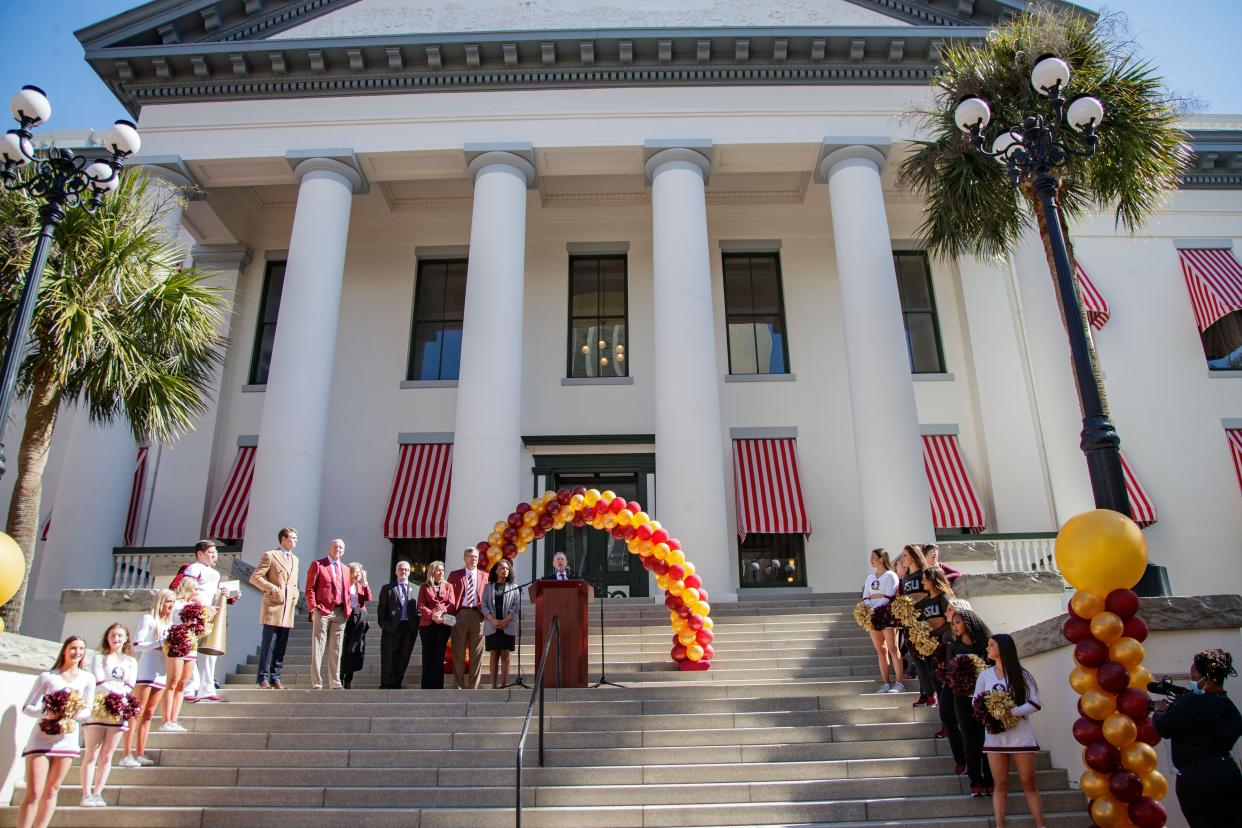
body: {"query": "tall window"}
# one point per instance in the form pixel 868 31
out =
pixel 265 333
pixel 439 306
pixel 755 312
pixel 771 560
pixel 598 346
pixel 918 308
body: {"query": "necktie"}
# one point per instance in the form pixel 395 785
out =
pixel 560 576
pixel 470 596
pixel 401 588
pixel 336 583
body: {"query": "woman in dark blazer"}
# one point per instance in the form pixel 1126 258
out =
pixel 354 648
pixel 435 598
pixel 500 605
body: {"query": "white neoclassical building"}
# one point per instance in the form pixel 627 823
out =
pixel 487 248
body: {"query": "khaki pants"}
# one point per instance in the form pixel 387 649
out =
pixel 329 629
pixel 468 631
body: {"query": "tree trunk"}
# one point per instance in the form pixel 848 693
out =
pixel 23 520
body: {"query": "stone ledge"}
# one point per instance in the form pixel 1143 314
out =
pixel 106 600
pixel 1008 583
pixel 982 550
pixel 23 654
pixel 1180 612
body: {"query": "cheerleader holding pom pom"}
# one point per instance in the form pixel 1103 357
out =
pixel 878 591
pixel 116 671
pixel 152 675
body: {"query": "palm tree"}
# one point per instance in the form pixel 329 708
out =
pixel 120 327
pixel 971 206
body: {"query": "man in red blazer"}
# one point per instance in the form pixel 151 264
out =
pixel 327 597
pixel 468 607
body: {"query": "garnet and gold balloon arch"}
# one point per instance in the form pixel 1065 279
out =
pixel 661 555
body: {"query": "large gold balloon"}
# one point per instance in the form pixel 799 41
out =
pixel 1139 758
pixel 1155 785
pixel 1126 651
pixel 1099 704
pixel 1140 677
pixel 1086 604
pixel 1107 626
pixel 1100 551
pixel 12 568
pixel 1082 679
pixel 1 625
pixel 1094 784
pixel 1120 730
pixel 1109 813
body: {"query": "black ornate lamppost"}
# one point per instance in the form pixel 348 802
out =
pixel 1034 151
pixel 63 181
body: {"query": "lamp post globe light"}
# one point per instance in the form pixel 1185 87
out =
pixel 1034 150
pixel 63 181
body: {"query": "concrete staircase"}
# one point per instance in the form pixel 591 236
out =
pixel 785 729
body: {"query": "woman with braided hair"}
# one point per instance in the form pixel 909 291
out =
pixel 1202 727
pixel 970 638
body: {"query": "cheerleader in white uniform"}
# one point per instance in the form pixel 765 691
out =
pixel 152 675
pixel 1019 741
pixel 115 670
pixel 180 669
pixel 48 756
pixel 878 590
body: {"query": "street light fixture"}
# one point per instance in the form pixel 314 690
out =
pixel 1033 151
pixel 62 181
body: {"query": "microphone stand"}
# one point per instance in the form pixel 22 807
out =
pixel 603 659
pixel 520 681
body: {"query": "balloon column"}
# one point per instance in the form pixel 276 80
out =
pixel 1102 554
pixel 661 555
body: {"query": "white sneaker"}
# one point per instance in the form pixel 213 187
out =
pixel 144 761
pixel 99 801
pixel 898 688
pixel 884 688
pixel 171 727
pixel 130 762
pixel 88 801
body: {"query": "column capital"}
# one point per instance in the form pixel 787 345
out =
pixel 834 151
pixel 516 154
pixel 343 162
pixel 222 256
pixel 697 151
pixel 171 169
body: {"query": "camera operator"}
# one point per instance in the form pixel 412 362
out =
pixel 1203 725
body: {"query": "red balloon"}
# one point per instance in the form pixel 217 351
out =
pixel 601 507
pixel 1136 628
pixel 522 508
pixel 648 562
pixel 1091 652
pixel 579 520
pixel 1076 629
pixel 1147 732
pixel 546 520
pixel 670 601
pixel 708 652
pixel 509 551
pixel 629 533
pixel 673 543
pixel 1101 756
pixel 580 490
pixel 617 504
pixel 510 533
pixel 683 611
pixel 1146 812
pixel 693 581
pixel 695 622
pixel 1123 603
pixel 1133 703
pixel 661 567
pixel 1081 712
pixel 705 637
pixel 702 593
pixel 1125 786
pixel 660 536
pixel 514 519
pixel 1087 730
pixel 1113 677
pixel 643 532
pixel 679 652
pixel 677 572
pixel 633 506
pixel 563 496
pixel 483 546
pixel 539 531
pixel 617 532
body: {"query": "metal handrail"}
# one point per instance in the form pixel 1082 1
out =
pixel 554 631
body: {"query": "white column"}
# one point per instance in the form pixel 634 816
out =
pixel 177 473
pixel 487 441
pixel 888 449
pixel 289 460
pixel 690 439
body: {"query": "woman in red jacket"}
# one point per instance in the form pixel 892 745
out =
pixel 435 598
pixel 354 648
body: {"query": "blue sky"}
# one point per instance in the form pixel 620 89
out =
pixel 1189 41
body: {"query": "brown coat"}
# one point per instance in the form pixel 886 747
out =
pixel 278 581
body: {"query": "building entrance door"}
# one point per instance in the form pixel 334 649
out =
pixel 595 555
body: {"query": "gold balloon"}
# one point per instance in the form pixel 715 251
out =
pixel 1100 551
pixel 673 618
pixel 1140 677
pixel 624 517
pixel 679 624
pixel 591 497
pixel 689 567
pixel 1126 651
pixel 12 568
pixel 1155 785
pixel 495 539
pixel 694 651
pixel 640 519
pixel 500 526
pixel 1120 730
pixel 1109 813
pixel 1083 679
pixel 702 608
pixel 494 554
pixel 1086 604
pixel 1139 758
pixel 708 623
pixel 608 495
pixel 1107 626
pixel 687 636
pixel 1094 784
pixel 1099 704
pixel 530 518
pixel 662 582
pixel 1 626
pixel 675 556
pixel 690 595
pixel 677 588
pixel 660 550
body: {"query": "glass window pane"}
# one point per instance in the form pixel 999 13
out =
pixel 450 351
pixel 913 283
pixel 275 287
pixel 455 291
pixel 924 354
pixel 769 345
pixel 584 351
pixel 584 287
pixel 429 301
pixel 618 556
pixel 612 287
pixel 742 357
pixel 263 359
pixel 737 285
pixel 768 560
pixel 612 334
pixel 765 284
pixel 425 363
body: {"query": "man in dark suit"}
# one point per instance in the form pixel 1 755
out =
pixel 397 613
pixel 560 569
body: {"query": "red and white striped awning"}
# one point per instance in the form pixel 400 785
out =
pixel 954 503
pixel 1092 299
pixel 769 487
pixel 418 504
pixel 1235 448
pixel 228 518
pixel 1214 279
pixel 135 497
pixel 1142 507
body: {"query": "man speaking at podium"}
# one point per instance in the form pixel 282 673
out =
pixel 560 569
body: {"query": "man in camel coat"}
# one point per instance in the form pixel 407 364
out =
pixel 277 577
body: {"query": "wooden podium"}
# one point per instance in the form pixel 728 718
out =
pixel 568 600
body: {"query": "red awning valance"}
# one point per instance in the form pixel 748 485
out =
pixel 1214 279
pixel 1092 299
pixel 418 503
pixel 1142 507
pixel 769 487
pixel 228 518
pixel 954 503
pixel 135 497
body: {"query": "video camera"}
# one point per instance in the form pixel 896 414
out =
pixel 1165 687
